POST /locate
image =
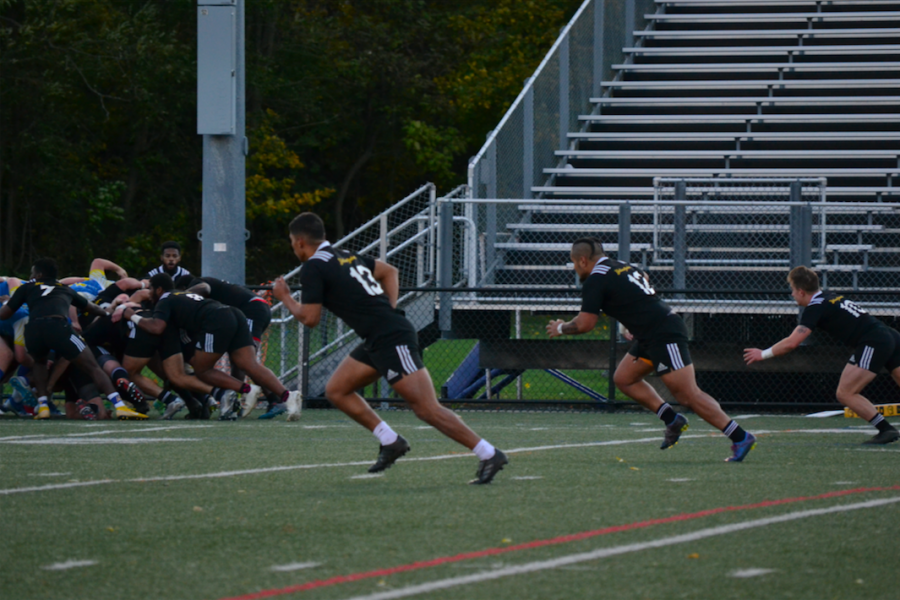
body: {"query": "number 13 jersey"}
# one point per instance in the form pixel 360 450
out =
pixel 624 293
pixel 840 317
pixel 343 282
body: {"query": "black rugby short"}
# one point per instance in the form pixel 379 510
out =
pixel 225 330
pixel 394 356
pixel 879 348
pixel 667 350
pixel 51 333
pixel 258 315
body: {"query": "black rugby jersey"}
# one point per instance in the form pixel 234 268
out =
pixel 622 291
pixel 343 283
pixel 845 320
pixel 225 292
pixel 185 311
pixel 174 273
pixel 46 298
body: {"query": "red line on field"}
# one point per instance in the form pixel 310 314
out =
pixel 443 560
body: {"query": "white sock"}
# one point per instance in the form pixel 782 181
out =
pixel 42 401
pixel 385 434
pixel 115 399
pixel 484 450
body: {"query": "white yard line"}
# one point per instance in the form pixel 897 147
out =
pixel 55 486
pixel 294 567
pixel 221 474
pixel 69 564
pixel 745 573
pixel 600 553
pixel 15 438
pixel 67 441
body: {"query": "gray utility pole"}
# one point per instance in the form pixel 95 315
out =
pixel 220 120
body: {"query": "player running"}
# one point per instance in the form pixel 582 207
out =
pixel 876 345
pixel 623 292
pixel 49 330
pixel 363 293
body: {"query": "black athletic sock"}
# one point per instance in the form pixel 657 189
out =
pixel 735 432
pixel 273 398
pixel 217 393
pixel 881 423
pixel 167 397
pixel 666 413
pixel 118 373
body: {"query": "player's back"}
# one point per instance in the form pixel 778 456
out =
pixel 344 283
pixel 185 310
pixel 45 298
pixel 226 292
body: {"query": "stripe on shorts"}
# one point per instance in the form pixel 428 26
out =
pixel 209 343
pixel 406 359
pixel 866 359
pixel 77 341
pixel 675 356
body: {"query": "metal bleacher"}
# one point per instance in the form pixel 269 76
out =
pixel 735 89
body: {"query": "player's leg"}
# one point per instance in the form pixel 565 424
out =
pixel 417 389
pixel 853 380
pixel 351 375
pixel 85 361
pixel 629 378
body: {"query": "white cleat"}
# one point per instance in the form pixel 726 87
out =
pixel 250 400
pixel 294 406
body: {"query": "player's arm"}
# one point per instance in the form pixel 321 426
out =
pixel 308 314
pixel 148 324
pixel 71 280
pixel 389 278
pixel 95 310
pixel 788 344
pixel 101 264
pixel 16 302
pixel 583 323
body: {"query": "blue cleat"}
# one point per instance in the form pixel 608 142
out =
pixel 274 411
pixel 21 387
pixel 742 449
pixel 11 405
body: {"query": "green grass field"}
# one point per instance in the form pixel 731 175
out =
pixel 224 510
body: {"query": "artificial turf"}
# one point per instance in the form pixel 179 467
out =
pixel 218 537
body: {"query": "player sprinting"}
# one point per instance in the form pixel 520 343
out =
pixel 876 345
pixel 49 330
pixel 623 292
pixel 363 293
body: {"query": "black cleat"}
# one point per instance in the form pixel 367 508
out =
pixel 883 437
pixel 674 431
pixel 389 454
pixel 489 468
pixel 131 394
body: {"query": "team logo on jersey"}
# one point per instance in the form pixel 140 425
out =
pixel 622 270
pixel 346 261
pixel 661 368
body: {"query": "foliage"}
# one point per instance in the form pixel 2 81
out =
pixel 350 105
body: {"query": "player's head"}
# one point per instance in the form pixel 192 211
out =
pixel 44 268
pixel 170 254
pixel 307 232
pixel 183 282
pixel 159 285
pixel 586 252
pixel 804 284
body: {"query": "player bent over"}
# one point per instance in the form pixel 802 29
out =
pixel 49 330
pixel 876 345
pixel 623 292
pixel 363 293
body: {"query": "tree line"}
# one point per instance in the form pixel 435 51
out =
pixel 351 104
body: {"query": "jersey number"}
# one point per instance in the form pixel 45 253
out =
pixel 196 297
pixel 852 308
pixel 364 276
pixel 638 280
pixel 47 289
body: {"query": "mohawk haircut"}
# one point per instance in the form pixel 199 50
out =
pixel 589 247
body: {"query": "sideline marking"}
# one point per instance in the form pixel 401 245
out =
pixel 50 474
pixel 367 476
pixel 679 480
pixel 745 573
pixel 65 441
pixel 294 567
pixel 527 477
pixel 14 438
pixel 56 486
pixel 69 564
pixel 215 475
pixel 543 565
pixel 575 537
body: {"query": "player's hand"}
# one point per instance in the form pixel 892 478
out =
pixel 116 315
pixel 280 289
pixel 553 328
pixel 122 273
pixel 752 355
pixel 627 335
